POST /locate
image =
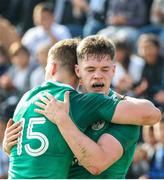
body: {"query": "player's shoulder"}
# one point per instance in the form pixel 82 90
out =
pixel 88 96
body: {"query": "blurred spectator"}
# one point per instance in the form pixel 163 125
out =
pixel 152 84
pixel 8 34
pixel 128 68
pixel 20 14
pixel 156 18
pixel 157 161
pixel 150 140
pixel 37 76
pixel 3 157
pixel 96 17
pixel 15 82
pixel 157 21
pixel 157 12
pixel 21 68
pixel 123 19
pixel 26 21
pixel 46 30
pixel 9 97
pixel 126 12
pixel 139 165
pixel 72 13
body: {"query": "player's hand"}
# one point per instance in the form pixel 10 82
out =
pixel 53 109
pixel 12 132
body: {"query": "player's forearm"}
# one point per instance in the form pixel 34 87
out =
pixel 150 115
pixel 88 153
pixel 137 112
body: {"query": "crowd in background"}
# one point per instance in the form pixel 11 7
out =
pixel 28 28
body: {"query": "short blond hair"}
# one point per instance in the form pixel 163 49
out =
pixel 64 52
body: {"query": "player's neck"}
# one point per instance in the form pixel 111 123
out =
pixel 67 79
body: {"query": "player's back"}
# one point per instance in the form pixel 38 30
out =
pixel 41 151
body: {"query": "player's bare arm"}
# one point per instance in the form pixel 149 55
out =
pixel 136 111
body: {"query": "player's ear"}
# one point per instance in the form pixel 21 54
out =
pixel 77 70
pixel 54 68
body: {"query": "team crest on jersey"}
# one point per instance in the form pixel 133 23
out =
pixel 98 125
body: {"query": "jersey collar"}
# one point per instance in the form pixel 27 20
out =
pixel 57 83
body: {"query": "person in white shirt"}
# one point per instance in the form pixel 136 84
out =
pixel 46 30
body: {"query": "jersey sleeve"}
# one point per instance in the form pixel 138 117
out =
pixel 127 135
pixel 85 109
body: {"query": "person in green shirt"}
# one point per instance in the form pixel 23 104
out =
pixel 93 69
pixel 40 141
pixel 117 118
pixel 126 135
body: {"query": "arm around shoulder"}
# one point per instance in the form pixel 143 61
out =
pixel 137 112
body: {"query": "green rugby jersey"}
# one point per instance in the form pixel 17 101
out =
pixel 127 135
pixel 41 151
